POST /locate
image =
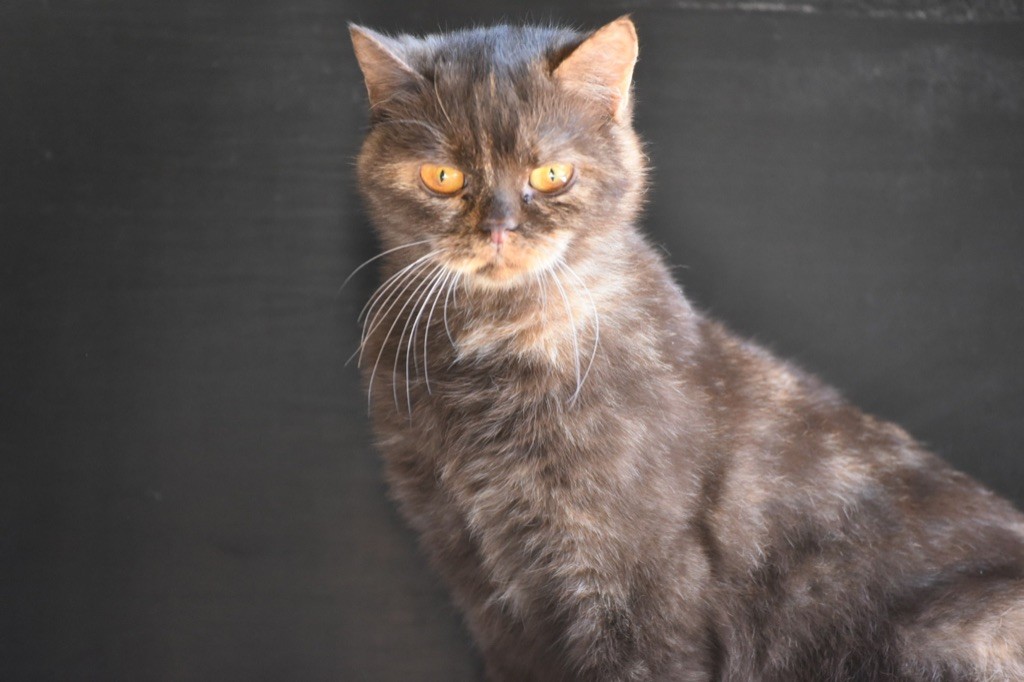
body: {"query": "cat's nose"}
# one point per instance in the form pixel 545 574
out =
pixel 504 224
pixel 499 227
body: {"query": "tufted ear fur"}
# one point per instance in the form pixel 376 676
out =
pixel 380 58
pixel 602 66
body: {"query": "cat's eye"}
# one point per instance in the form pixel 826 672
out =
pixel 551 177
pixel 442 179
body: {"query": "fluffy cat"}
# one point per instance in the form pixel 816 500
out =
pixel 613 486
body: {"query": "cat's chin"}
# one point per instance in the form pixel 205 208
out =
pixel 498 277
pixel 504 273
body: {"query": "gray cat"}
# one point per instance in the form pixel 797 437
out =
pixel 613 486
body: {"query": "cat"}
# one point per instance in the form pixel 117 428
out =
pixel 612 485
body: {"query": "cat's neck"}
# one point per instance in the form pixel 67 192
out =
pixel 557 316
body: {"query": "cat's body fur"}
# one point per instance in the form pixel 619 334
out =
pixel 613 486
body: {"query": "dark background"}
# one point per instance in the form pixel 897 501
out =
pixel 188 488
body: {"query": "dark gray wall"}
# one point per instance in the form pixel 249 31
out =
pixel 188 489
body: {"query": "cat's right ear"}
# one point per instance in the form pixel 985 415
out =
pixel 384 70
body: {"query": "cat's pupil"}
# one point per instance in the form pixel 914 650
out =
pixel 441 175
pixel 551 174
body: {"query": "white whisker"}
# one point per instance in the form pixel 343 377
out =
pixel 384 344
pixel 376 316
pixel 543 298
pixel 426 330
pixel 397 282
pixel 436 279
pixel 572 324
pixel 440 104
pixel 412 304
pixel 597 325
pixel 379 255
pixel 390 282
pixel 451 288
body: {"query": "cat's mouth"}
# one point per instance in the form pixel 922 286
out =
pixel 501 263
pixel 516 258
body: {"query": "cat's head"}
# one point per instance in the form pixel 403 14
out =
pixel 506 150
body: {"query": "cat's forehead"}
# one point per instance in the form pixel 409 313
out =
pixel 491 88
pixel 498 49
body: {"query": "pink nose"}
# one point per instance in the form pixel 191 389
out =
pixel 499 228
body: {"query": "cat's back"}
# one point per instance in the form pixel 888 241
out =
pixel 793 446
pixel 826 522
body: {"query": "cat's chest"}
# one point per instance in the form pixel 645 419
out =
pixel 532 511
pixel 515 438
pixel 523 459
pixel 538 495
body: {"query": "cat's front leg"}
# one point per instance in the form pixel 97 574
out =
pixel 596 642
pixel 602 641
pixel 616 630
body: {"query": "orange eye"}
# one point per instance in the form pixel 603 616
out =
pixel 442 179
pixel 551 177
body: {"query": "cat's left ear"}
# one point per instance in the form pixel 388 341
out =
pixel 601 66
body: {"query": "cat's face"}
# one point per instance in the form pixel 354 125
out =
pixel 504 150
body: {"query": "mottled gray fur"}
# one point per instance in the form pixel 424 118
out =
pixel 613 486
